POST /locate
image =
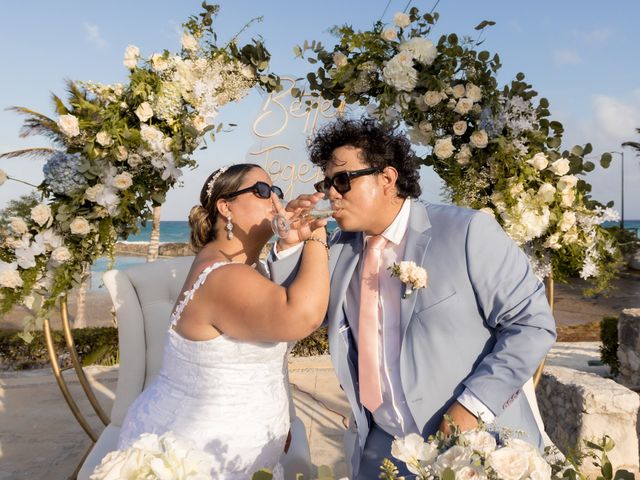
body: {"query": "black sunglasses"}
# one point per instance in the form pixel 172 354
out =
pixel 341 181
pixel 260 189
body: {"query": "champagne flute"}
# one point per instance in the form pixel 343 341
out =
pixel 282 225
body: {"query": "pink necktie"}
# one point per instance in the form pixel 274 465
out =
pixel 368 356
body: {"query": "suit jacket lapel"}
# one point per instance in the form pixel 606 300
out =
pixel 418 238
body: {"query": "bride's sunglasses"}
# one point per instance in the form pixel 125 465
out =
pixel 259 189
pixel 341 181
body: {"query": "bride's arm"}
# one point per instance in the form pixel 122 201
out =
pixel 247 306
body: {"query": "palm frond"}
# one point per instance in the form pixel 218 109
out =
pixel 38 124
pixel 635 145
pixel 34 153
pixel 61 108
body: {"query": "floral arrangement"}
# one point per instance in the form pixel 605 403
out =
pixel 413 276
pixel 495 148
pixel 153 456
pixel 477 455
pixel 118 150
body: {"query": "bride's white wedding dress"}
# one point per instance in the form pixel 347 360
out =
pixel 227 396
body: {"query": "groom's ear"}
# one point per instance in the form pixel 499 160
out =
pixel 389 177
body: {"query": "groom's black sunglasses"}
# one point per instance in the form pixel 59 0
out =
pixel 341 181
pixel 260 189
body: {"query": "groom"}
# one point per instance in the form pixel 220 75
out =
pixel 464 345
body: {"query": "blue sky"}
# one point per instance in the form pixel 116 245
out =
pixel 579 54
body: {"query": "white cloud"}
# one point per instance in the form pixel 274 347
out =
pixel 595 36
pixel 616 118
pixel 93 35
pixel 566 57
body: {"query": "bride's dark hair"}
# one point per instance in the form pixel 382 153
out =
pixel 203 217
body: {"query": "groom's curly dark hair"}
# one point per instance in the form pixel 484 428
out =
pixel 380 145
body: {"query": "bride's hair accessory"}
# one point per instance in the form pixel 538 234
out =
pixel 220 171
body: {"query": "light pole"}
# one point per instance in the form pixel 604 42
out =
pixel 621 189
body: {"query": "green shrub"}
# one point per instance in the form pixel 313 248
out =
pixel 609 348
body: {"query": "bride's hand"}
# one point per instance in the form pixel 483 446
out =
pixel 301 227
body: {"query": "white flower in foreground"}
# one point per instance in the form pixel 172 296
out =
pixel 567 221
pixel 131 55
pixel 103 138
pixel 3 176
pixel 479 440
pixel 122 181
pixel 80 226
pixel 566 183
pixel 144 112
pixel 473 92
pixel 134 160
pixel 41 214
pixel 479 139
pixel 48 239
pixel 560 167
pixel 460 127
pixel 463 106
pixel 9 275
pixel 458 91
pixel 508 463
pixel 421 49
pixel 18 225
pixel 539 161
pixel 61 255
pixel 443 148
pixel 108 198
pixel 389 34
pixel 339 59
pixel 463 157
pixel 568 198
pixel 455 458
pixel 413 450
pixel 553 242
pixel 121 153
pixel 199 123
pixel 432 97
pixel 547 192
pixel 189 42
pixel 159 62
pixel 401 19
pixel 91 193
pixel 399 72
pixel 69 125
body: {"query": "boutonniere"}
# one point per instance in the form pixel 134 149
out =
pixel 413 276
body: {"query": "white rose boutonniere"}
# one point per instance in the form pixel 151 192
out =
pixel 413 276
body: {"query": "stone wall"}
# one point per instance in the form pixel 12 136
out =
pixel 578 406
pixel 629 348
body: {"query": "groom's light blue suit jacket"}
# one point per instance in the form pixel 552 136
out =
pixel 483 322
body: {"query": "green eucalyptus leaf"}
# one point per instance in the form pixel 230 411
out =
pixel 483 56
pixel 588 166
pixel 605 160
pixel 577 150
pixel 483 24
pixel 553 142
pixel 588 148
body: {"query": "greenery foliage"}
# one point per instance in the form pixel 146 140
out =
pixel 609 347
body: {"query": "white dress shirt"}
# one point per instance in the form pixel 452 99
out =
pixel 393 416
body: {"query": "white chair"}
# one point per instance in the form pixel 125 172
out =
pixel 143 297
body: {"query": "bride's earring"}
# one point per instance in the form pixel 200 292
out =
pixel 229 228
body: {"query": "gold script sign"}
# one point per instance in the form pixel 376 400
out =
pixel 283 129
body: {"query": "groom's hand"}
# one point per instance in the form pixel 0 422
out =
pixel 462 417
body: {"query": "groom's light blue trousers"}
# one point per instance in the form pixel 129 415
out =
pixel 376 449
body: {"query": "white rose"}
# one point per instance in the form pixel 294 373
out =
pixel 455 458
pixel 444 148
pixel 459 91
pixel 61 255
pixel 91 193
pixel 131 55
pixel 463 106
pixel 425 126
pixel 571 236
pixel 469 473
pixel 432 98
pixel 389 34
pixel 560 167
pixel 567 221
pixel 18 225
pixel 80 226
pixel 41 214
pixel 199 123
pixel 463 157
pixel 25 258
pixel 189 42
pixel 539 469
pixel 547 192
pixel 9 275
pixel 103 138
pixel 339 59
pixel 508 463
pixel 412 449
pixel 553 242
pixel 479 139
pixel 3 177
pixel 568 198
pixel 566 183
pixel 460 127
pixel 488 211
pixel 69 125
pixel 48 239
pixel 122 181
pixel 473 92
pixel 121 153
pixel 399 72
pixel 480 440
pixel 134 160
pixel 422 50
pixel 159 62
pixel 144 112
pixel 539 161
pixel 401 19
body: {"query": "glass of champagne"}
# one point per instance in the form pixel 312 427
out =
pixel 282 225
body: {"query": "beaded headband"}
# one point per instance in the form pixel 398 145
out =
pixel 214 178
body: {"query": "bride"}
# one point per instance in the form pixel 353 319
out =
pixel 222 381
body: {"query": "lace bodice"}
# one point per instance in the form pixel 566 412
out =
pixel 228 396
